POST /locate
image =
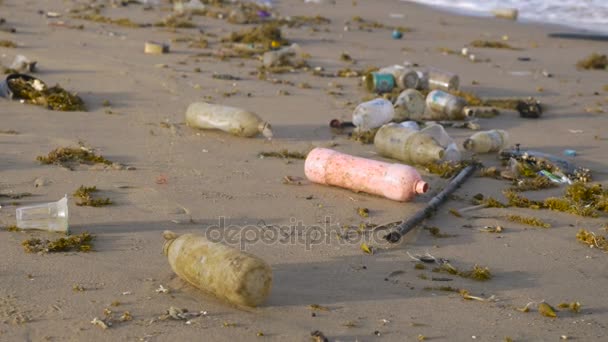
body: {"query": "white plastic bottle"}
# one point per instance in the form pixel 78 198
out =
pixel 233 120
pixel 373 114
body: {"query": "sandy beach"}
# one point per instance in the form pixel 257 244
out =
pixel 192 181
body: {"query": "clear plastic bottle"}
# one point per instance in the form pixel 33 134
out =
pixel 233 120
pixel 443 80
pixel 373 114
pixel 237 277
pixel 405 78
pixel 394 181
pixel 487 141
pixel 445 106
pixel 452 152
pixel 409 105
pixel 407 144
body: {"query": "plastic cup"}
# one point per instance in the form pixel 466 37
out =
pixel 52 216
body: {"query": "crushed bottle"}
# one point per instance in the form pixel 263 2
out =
pixel 398 182
pixel 227 273
pixel 373 114
pixel 445 106
pixel 409 105
pixel 487 141
pixel 233 120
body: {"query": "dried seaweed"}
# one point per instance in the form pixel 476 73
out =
pixel 284 154
pixel 12 228
pixel 595 61
pixel 592 240
pixel 8 44
pixel 546 310
pixel 363 212
pixel 573 306
pixel 436 232
pixel 518 201
pixel 68 156
pixel 478 273
pixel 85 194
pixel 491 44
pixel 175 21
pixel 531 184
pixel 54 98
pixel 125 22
pixel 445 169
pixel 530 221
pixel 74 243
pixel 267 35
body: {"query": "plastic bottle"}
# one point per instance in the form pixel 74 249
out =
pixel 452 152
pixel 394 181
pixel 443 80
pixel 373 114
pixel 272 58
pixel 237 277
pixel 487 141
pixel 409 105
pixel 233 120
pixel 405 78
pixel 407 144
pixel 445 106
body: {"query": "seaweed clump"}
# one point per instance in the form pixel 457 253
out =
pixel 77 243
pixel 594 62
pixel 68 156
pixel 284 154
pixel 592 240
pixel 530 184
pixel 36 92
pixel 266 35
pixel 8 44
pixel 445 169
pixel 175 21
pixel 530 221
pixel 491 44
pixel 98 18
pixel 85 194
pixel 478 273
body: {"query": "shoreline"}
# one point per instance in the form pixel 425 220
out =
pixel 585 28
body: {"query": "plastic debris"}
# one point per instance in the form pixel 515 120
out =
pixel 229 274
pixel 233 120
pixel 394 181
pixel 52 216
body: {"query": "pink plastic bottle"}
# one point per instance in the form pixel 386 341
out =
pixel 394 181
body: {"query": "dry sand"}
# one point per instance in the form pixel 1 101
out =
pixel 211 175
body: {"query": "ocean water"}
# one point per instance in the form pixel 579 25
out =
pixel 582 14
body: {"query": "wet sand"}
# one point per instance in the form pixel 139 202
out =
pixel 187 180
